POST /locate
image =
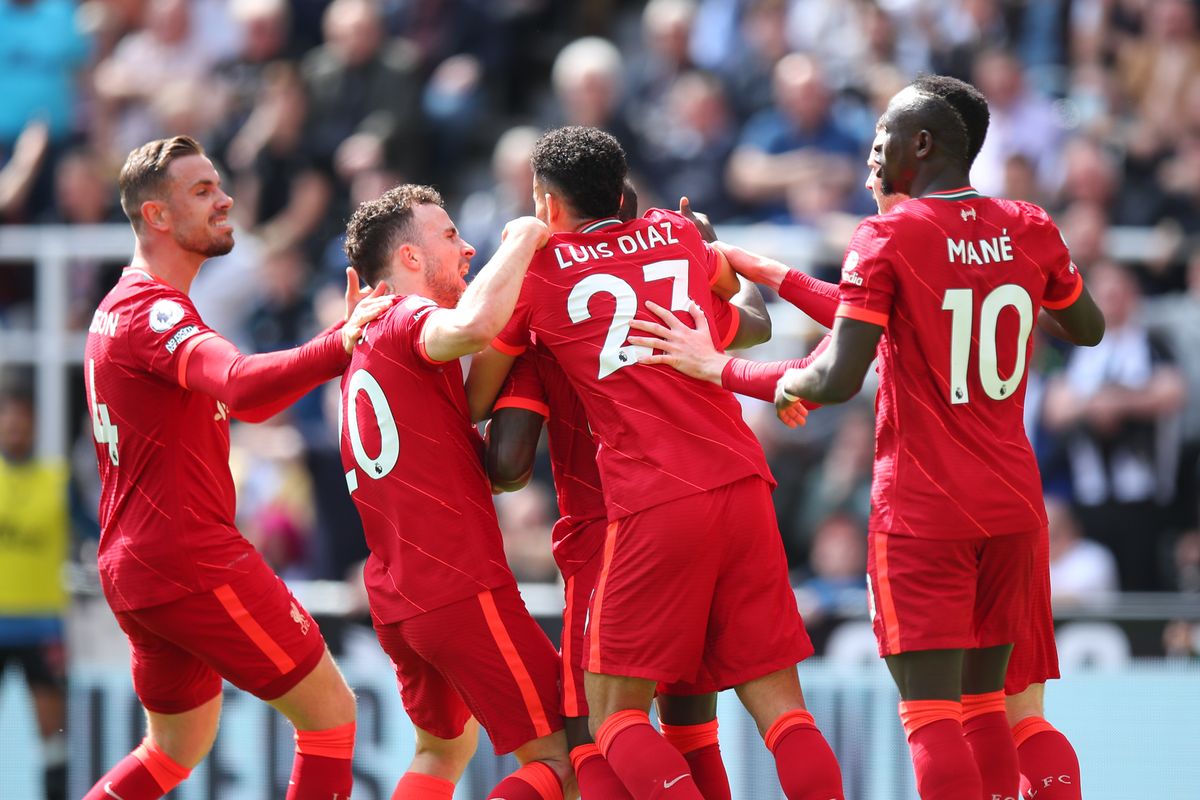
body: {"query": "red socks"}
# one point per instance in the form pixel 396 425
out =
pixel 595 777
pixel 985 726
pixel 418 786
pixel 534 781
pixel 942 761
pixel 647 764
pixel 806 765
pixel 145 774
pixel 321 770
pixel 1048 761
pixel 702 750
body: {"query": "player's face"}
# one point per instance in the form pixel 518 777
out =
pixel 874 184
pixel 894 151
pixel 198 208
pixel 447 258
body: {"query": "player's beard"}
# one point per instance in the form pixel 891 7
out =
pixel 204 242
pixel 444 289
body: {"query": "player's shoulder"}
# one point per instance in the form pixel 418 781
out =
pixel 149 303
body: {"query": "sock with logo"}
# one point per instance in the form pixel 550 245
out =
pixel 1048 761
pixel 807 768
pixel 321 769
pixel 595 777
pixel 644 761
pixel 985 726
pixel 534 781
pixel 145 774
pixel 419 786
pixel 702 750
pixel 942 761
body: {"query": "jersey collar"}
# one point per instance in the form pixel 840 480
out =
pixel 142 273
pixel 597 224
pixel 963 193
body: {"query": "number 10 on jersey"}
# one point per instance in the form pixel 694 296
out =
pixel 961 305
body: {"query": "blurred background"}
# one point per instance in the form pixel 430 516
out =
pixel 760 111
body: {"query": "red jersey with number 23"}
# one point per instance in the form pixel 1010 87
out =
pixel 414 467
pixel 166 493
pixel 958 280
pixel 662 434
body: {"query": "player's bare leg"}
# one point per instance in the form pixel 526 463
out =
pixel 1049 763
pixel 321 707
pixel 806 764
pixel 985 723
pixel 437 764
pixel 648 765
pixel 545 772
pixel 689 722
pixel 174 745
pixel 931 685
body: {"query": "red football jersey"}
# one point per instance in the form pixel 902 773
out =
pixel 167 496
pixel 662 434
pixel 958 280
pixel 538 384
pixel 414 467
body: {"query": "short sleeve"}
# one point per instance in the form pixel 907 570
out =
pixel 868 284
pixel 523 388
pixel 412 314
pixel 513 339
pixel 726 321
pixel 164 331
pixel 1064 284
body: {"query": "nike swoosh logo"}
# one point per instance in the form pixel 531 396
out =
pixel 673 781
pixel 108 790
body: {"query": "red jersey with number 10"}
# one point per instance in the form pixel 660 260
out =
pixel 662 434
pixel 958 279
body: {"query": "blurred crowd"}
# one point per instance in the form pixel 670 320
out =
pixel 758 110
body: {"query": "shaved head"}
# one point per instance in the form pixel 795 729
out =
pixel 913 110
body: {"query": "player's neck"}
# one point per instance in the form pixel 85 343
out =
pixel 944 181
pixel 176 269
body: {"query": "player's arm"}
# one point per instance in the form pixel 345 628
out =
pixel 256 387
pixel 488 302
pixel 486 377
pixel 836 374
pixel 815 297
pixel 512 437
pixel 1081 323
pixel 753 321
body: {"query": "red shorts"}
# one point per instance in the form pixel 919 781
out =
pixel 250 631
pixel 484 657
pixel 1035 655
pixel 945 594
pixel 577 595
pixel 696 590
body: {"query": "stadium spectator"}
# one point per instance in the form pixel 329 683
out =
pixel 837 573
pixel 364 95
pixel 34 536
pixel 525 520
pixel 588 79
pixel 654 68
pixel 485 211
pixel 796 144
pixel 1117 406
pixel 1081 569
pixel 1022 122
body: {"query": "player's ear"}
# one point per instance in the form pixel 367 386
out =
pixel 406 257
pixel 154 214
pixel 554 208
pixel 924 143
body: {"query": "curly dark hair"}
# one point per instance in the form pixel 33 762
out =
pixel 586 165
pixel 967 101
pixel 379 226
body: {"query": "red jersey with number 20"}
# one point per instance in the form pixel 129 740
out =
pixel 166 493
pixel 662 434
pixel 414 467
pixel 958 280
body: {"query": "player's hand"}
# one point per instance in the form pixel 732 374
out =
pixel 753 267
pixel 789 408
pixel 701 221
pixel 527 227
pixel 689 350
pixel 365 309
